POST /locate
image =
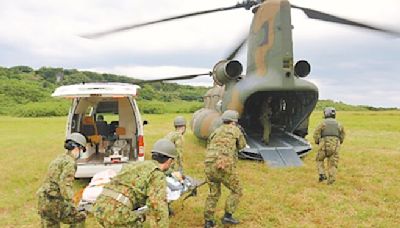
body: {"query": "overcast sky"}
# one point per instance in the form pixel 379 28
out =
pixel 349 64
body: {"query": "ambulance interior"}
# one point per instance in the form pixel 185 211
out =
pixel 110 127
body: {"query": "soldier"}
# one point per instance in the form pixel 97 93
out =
pixel 137 185
pixel 328 135
pixel 265 119
pixel 55 203
pixel 100 118
pixel 176 137
pixel 220 167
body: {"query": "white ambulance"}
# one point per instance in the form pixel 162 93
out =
pixel 107 114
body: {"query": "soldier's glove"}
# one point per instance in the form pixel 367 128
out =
pixel 81 208
pixel 141 213
pixel 142 218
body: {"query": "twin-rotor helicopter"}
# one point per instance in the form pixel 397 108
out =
pixel 271 74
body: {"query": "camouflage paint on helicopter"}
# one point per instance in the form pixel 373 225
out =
pixel 209 115
pixel 269 73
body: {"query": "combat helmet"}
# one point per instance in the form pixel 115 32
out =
pixel 329 112
pixel 75 140
pixel 179 121
pixel 230 115
pixel 165 147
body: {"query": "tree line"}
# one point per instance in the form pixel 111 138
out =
pixel 27 92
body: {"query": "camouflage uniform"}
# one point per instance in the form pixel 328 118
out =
pixel 55 203
pixel 144 184
pixel 328 135
pixel 176 138
pixel 265 119
pixel 220 167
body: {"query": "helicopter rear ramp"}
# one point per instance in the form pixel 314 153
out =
pixel 284 149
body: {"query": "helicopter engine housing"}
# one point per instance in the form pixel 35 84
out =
pixel 225 71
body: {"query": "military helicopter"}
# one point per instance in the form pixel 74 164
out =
pixel 270 75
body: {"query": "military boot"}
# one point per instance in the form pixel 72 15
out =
pixel 209 224
pixel 322 177
pixel 228 219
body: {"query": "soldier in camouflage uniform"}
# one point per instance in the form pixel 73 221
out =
pixel 265 119
pixel 55 203
pixel 328 135
pixel 220 167
pixel 176 137
pixel 137 185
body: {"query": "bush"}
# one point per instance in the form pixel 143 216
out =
pixel 149 107
pixel 194 107
pixel 42 109
pixel 23 92
pixel 188 107
pixel 6 104
pixel 177 106
pixel 338 105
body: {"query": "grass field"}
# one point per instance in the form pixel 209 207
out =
pixel 366 193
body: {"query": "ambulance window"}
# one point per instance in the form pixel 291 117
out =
pixel 109 110
pixel 107 107
pixel 74 125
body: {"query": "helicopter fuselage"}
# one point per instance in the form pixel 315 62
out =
pixel 270 75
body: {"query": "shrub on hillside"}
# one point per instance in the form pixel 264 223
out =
pixel 190 108
pixel 22 92
pixel 149 107
pixel 6 104
pixel 42 109
pixel 177 106
pixel 338 105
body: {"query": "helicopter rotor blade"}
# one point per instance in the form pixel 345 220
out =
pixel 245 4
pixel 233 54
pixel 318 15
pixel 175 78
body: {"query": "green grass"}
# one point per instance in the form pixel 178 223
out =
pixel 366 193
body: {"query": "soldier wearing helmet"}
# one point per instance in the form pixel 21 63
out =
pixel 55 195
pixel 176 137
pixel 220 167
pixel 328 135
pixel 137 185
pixel 265 119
